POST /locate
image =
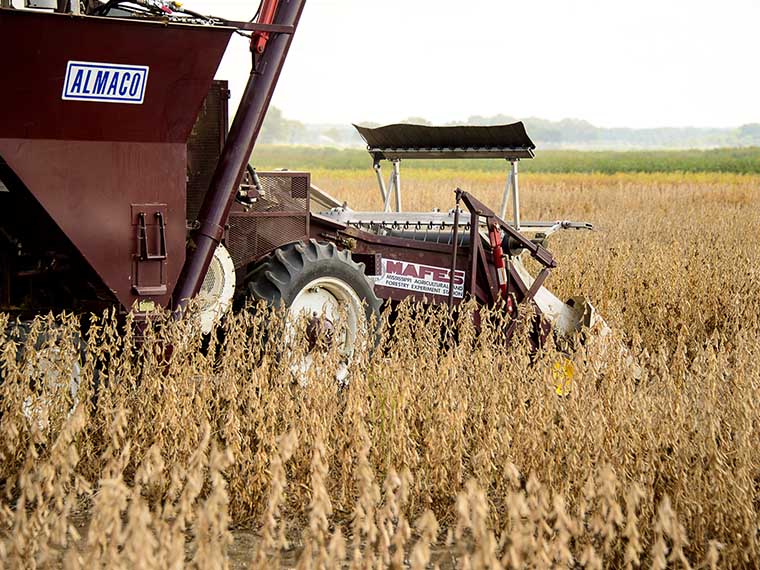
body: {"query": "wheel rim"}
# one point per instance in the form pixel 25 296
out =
pixel 331 299
pixel 45 368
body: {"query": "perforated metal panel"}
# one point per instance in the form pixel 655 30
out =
pixel 279 216
pixel 205 146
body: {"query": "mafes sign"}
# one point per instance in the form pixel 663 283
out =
pixel 420 278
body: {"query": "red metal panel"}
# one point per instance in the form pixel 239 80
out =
pixel 87 162
pixel 89 188
pixel 182 62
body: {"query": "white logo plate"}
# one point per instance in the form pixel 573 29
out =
pixel 420 278
pixel 105 82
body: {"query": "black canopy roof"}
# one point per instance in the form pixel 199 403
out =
pixel 422 141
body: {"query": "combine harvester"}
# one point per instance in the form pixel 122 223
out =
pixel 121 186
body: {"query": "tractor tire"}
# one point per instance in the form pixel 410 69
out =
pixel 290 270
pixel 318 279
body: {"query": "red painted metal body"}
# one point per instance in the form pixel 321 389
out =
pixel 494 235
pixel 94 166
pixel 94 192
pixel 103 207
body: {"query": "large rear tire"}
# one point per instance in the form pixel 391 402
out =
pixel 321 282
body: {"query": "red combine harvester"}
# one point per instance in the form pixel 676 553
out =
pixel 121 186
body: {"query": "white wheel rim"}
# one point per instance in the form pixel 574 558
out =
pixel 217 290
pixel 44 368
pixel 330 298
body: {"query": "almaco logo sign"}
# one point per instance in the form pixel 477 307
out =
pixel 105 82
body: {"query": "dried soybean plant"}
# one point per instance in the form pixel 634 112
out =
pixel 444 448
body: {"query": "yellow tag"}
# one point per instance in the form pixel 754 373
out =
pixel 146 306
pixel 563 374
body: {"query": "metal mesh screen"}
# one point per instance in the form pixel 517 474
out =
pixel 205 146
pixel 300 188
pixel 279 216
pixel 282 192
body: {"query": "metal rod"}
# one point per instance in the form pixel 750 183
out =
pixel 515 196
pixel 529 295
pixel 236 154
pixel 389 193
pixel 455 248
pixel 505 195
pixel 256 27
pixel 537 251
pixel 380 181
pixel 474 244
pixel 397 175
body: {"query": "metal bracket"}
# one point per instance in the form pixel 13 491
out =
pixel 541 254
pixel 529 295
pixel 394 185
pixel 454 247
pixel 512 187
pixel 142 238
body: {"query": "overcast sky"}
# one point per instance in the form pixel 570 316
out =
pixel 643 63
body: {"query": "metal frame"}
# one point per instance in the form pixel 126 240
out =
pixel 394 185
pixel 477 258
pixel 511 189
pixel 439 220
pixel 435 153
pixel 393 188
pixel 491 273
pixel 511 186
pixel 73 7
pixel 244 241
pixel 237 150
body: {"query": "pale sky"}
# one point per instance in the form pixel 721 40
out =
pixel 644 63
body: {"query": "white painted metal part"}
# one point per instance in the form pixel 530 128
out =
pixel 331 299
pixel 511 187
pixel 566 319
pixel 394 185
pixel 55 370
pixel 215 296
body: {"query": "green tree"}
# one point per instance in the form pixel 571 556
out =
pixel 279 130
pixel 416 121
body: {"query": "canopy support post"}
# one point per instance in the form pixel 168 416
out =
pixel 394 187
pixel 511 187
pixel 389 193
pixel 381 182
pixel 505 196
pixel 515 195
pixel 397 176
